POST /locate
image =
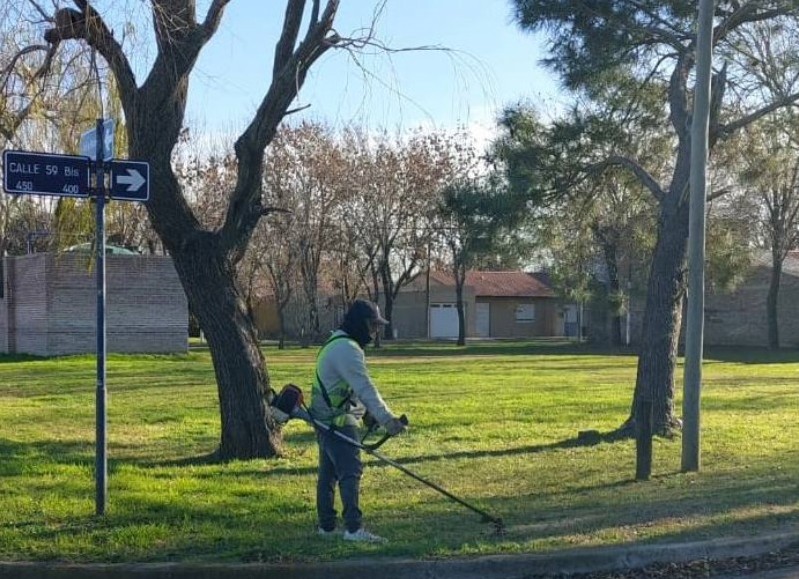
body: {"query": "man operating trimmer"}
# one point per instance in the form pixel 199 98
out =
pixel 342 393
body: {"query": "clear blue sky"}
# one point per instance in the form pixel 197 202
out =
pixel 492 64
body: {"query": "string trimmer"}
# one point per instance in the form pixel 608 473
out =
pixel 290 404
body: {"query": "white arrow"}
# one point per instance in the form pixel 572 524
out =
pixel 133 179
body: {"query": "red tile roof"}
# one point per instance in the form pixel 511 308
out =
pixel 501 283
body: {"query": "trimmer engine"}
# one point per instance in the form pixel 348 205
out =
pixel 287 403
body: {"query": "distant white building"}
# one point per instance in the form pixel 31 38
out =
pixel 48 305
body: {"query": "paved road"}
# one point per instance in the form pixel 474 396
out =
pixel 787 573
pixel 679 560
pixel 790 573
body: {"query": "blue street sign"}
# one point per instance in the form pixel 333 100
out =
pixel 88 141
pixel 45 174
pixel 130 180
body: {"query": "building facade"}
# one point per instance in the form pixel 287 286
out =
pixel 497 304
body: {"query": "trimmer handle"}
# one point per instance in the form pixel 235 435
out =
pixel 386 436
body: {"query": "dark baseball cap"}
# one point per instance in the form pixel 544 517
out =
pixel 366 310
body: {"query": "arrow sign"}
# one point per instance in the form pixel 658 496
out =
pixel 130 180
pixel 133 180
pixel 29 173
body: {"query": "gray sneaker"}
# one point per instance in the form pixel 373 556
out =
pixel 322 533
pixel 364 536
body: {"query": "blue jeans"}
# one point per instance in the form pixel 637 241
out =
pixel 339 462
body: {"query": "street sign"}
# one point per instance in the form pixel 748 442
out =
pixel 130 180
pixel 46 174
pixel 29 173
pixel 88 141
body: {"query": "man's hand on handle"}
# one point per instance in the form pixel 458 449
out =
pixel 396 425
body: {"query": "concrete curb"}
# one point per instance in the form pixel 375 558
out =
pixel 488 567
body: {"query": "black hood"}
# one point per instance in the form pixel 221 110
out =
pixel 356 321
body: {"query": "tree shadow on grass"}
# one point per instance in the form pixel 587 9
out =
pixel 435 526
pixel 589 519
pixel 580 440
pixel 750 355
pixel 205 459
pixel 18 456
pixel 13 358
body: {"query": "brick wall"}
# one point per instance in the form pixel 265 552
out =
pixel 738 318
pixel 27 305
pixel 52 302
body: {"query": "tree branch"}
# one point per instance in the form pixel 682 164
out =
pixel 726 130
pixel 213 17
pixel 291 67
pixel 9 124
pixel 270 209
pixel 284 49
pixel 88 25
pixel 713 195
pixel 314 13
pixel 642 174
pixel 6 72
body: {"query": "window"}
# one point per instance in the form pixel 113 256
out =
pixel 525 313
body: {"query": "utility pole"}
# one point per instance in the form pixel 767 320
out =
pixel 692 383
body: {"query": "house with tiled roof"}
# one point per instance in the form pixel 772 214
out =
pixel 498 304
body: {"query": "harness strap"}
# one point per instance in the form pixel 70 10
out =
pixel 325 394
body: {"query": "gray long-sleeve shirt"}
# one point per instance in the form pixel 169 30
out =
pixel 343 362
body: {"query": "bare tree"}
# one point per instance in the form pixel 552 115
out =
pixel 352 253
pixel 276 246
pixel 399 199
pixel 205 259
pixel 314 186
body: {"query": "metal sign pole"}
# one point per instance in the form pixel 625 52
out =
pixel 694 330
pixel 29 173
pixel 101 462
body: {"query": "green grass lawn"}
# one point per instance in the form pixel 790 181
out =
pixel 492 423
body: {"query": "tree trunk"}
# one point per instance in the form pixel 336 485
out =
pixel 310 321
pixel 388 291
pixel 239 364
pixel 662 316
pixel 281 317
pixel 607 238
pixel 460 281
pixel 389 315
pixel 206 269
pixel 617 337
pixel 771 304
pixel 615 294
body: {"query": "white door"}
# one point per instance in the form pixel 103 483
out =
pixel 443 321
pixel 483 320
